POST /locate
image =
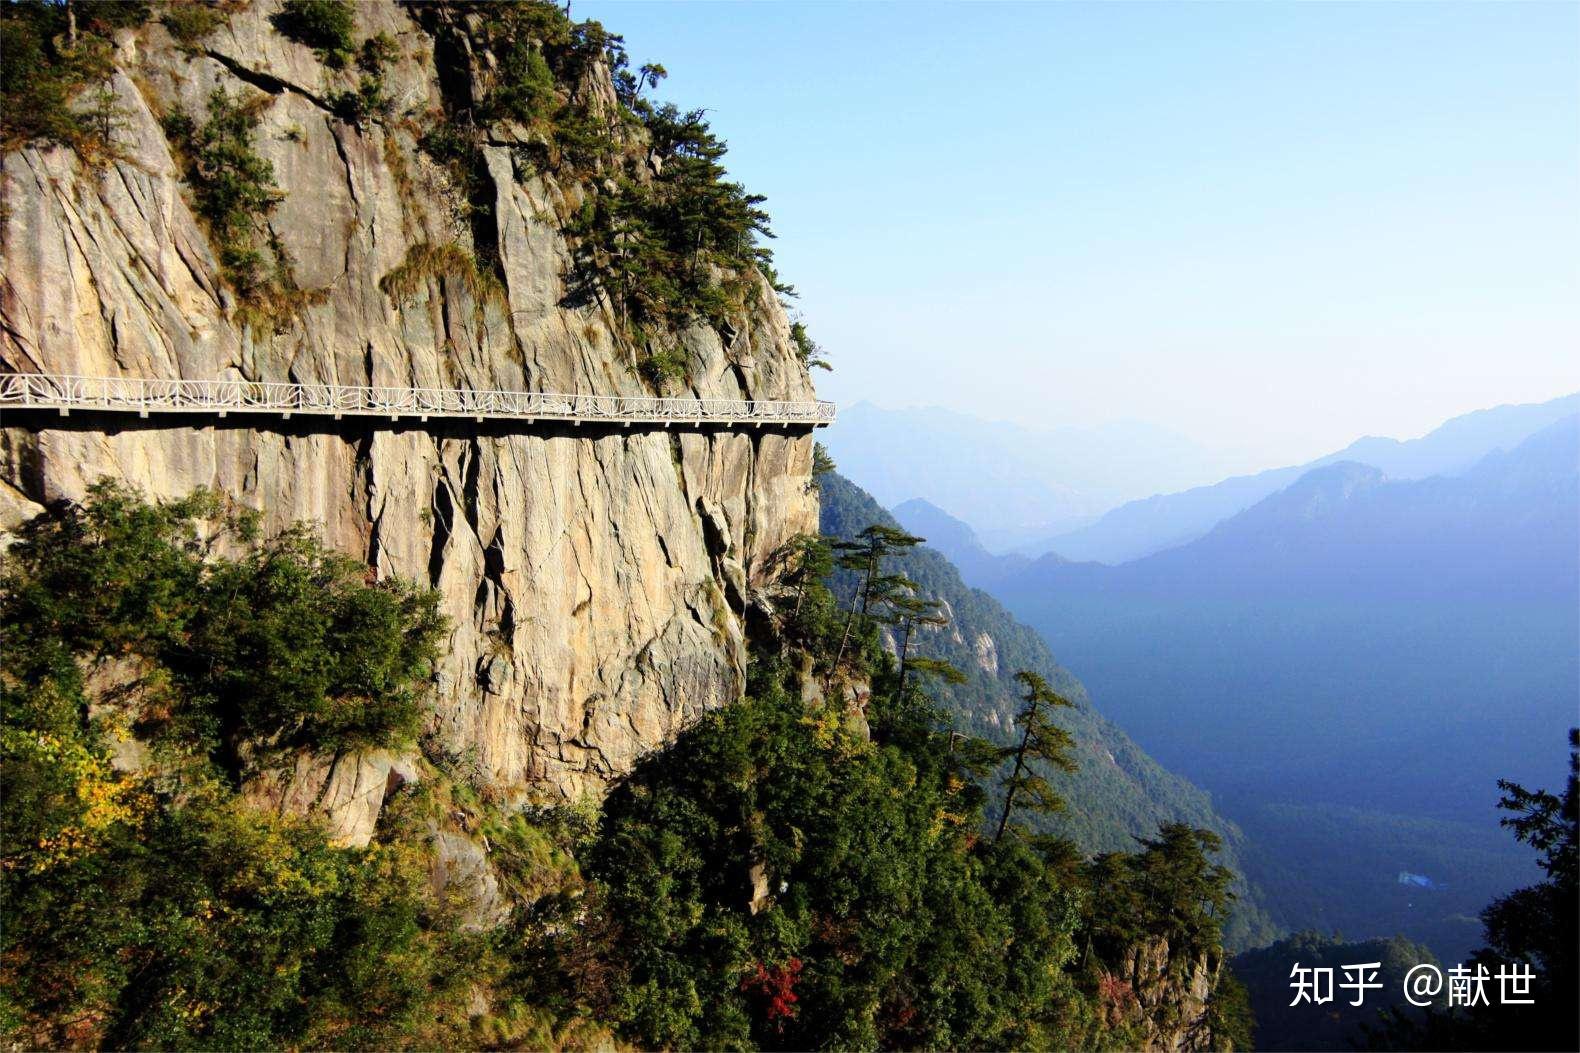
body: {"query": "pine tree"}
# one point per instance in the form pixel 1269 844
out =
pixel 865 556
pixel 910 612
pixel 1040 740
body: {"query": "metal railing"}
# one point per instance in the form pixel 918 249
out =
pixel 143 396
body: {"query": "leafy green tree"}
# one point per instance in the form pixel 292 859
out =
pixel 146 903
pixel 1534 924
pixel 284 646
pixel 52 53
pixel 1171 890
pixel 822 464
pixel 809 559
pixel 811 352
pixel 232 185
pixel 769 853
pixel 910 612
pixel 1041 740
pixel 629 86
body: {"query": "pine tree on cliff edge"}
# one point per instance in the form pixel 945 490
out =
pixel 1040 740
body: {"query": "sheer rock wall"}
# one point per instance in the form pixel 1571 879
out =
pixel 597 579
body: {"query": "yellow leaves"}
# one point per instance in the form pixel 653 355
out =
pixel 104 798
pixel 826 726
pixel 276 865
pixel 944 818
pixel 833 732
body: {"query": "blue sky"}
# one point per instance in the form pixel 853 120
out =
pixel 1271 227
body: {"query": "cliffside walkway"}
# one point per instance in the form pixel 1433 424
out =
pixel 221 397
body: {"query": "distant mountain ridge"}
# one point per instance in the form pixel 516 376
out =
pixel 1504 527
pixel 958 543
pixel 1012 483
pixel 1352 653
pixel 1140 528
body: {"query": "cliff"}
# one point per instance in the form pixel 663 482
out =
pixel 597 581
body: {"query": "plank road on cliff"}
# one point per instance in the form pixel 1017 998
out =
pixel 145 396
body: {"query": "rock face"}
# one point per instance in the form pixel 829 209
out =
pixel 987 654
pixel 597 581
pixel 1171 992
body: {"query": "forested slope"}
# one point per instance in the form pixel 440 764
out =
pixel 1118 792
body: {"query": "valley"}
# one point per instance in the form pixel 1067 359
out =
pixel 1348 665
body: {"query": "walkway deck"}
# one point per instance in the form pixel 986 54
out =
pixel 221 397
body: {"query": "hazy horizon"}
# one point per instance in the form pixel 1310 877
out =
pixel 1272 229
pixel 1252 460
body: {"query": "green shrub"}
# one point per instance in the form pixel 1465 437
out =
pixel 368 100
pixel 526 89
pixel 232 185
pixel 663 366
pixel 364 103
pixel 672 250
pixel 886 922
pixel 283 645
pixel 189 21
pixel 809 351
pixel 378 51
pixel 233 192
pixel 326 26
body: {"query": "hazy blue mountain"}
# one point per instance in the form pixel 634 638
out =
pixel 1506 529
pixel 958 542
pixel 1351 653
pixel 1152 524
pixel 1012 483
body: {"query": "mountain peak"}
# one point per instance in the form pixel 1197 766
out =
pixel 956 540
pixel 943 531
pixel 1315 494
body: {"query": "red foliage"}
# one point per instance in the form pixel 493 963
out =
pixel 775 988
pixel 1116 996
pixel 1114 990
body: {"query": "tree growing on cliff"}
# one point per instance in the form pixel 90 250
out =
pixel 51 53
pixel 1170 890
pixel 771 843
pixel 1041 740
pixel 911 612
pixel 808 559
pixel 326 26
pixel 865 556
pixel 811 352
